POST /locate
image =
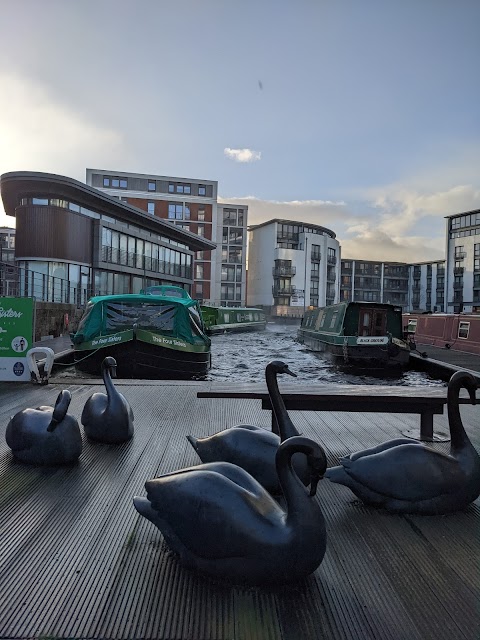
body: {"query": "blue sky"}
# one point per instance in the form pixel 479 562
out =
pixel 362 116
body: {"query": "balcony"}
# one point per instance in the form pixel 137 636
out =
pixel 315 256
pixel 284 272
pixel 460 255
pixel 283 291
pixel 331 276
pixel 331 259
pixel 458 271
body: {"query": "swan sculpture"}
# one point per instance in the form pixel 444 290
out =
pixel 253 448
pixel 45 435
pixel 222 522
pixel 108 417
pixel 408 477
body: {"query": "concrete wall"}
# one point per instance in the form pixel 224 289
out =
pixel 50 319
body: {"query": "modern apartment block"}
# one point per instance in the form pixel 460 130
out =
pixel 292 265
pixel 462 264
pixel 72 241
pixel 427 286
pixel 191 203
pixel 373 281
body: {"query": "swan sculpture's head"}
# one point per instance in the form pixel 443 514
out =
pixel 110 364
pixel 462 379
pixel 317 465
pixel 277 366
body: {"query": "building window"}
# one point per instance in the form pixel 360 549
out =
pixel 201 215
pixel 199 271
pixel 459 252
pixel 151 208
pixel 201 230
pixel 175 211
pixel 40 201
pixel 202 191
pixel 230 216
pixel 171 188
pixel 152 186
pixel 106 182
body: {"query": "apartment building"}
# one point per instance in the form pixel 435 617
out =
pixel 292 265
pixel 373 281
pixel 427 286
pixel 191 204
pixel 462 264
pixel 72 241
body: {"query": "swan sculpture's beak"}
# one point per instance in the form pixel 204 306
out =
pixel 290 373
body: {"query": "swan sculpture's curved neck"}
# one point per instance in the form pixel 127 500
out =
pixel 60 410
pixel 107 381
pixel 286 428
pixel 458 436
pixel 298 503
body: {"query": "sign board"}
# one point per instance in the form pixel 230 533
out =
pixel 297 299
pixel 372 340
pixel 16 337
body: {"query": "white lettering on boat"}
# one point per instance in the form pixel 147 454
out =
pixel 108 340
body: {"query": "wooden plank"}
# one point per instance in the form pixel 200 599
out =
pixel 76 560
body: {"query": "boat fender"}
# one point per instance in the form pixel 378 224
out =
pixel 35 375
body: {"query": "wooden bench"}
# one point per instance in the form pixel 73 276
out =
pixel 362 398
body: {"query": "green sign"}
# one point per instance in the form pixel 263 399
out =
pixel 16 337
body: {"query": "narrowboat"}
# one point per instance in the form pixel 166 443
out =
pixel 358 334
pixel 150 336
pixel 230 319
pixel 456 331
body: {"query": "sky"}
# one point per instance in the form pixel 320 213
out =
pixel 361 116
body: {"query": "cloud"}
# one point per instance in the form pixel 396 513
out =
pixel 393 223
pixel 38 133
pixel 242 155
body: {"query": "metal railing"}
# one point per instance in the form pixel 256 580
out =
pixel 284 272
pixel 19 282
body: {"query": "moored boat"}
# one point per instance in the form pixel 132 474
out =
pixel 359 334
pixel 150 336
pixel 229 319
pixel 456 331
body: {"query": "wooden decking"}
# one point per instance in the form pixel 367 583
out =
pixel 77 561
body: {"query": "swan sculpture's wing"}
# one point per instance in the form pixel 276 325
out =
pixel 201 504
pixel 406 472
pixel 381 447
pixel 95 405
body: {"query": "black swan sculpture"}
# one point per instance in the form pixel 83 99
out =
pixel 408 477
pixel 222 522
pixel 45 435
pixel 108 417
pixel 253 448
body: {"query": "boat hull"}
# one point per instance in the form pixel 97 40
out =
pixel 361 356
pixel 240 328
pixel 145 355
pixel 140 360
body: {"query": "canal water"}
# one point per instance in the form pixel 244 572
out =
pixel 242 357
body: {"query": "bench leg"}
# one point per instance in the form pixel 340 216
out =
pixel 426 426
pixel 426 430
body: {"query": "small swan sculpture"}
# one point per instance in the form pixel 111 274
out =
pixel 408 477
pixel 45 435
pixel 253 448
pixel 108 417
pixel 222 522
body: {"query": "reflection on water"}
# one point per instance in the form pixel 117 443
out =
pixel 242 357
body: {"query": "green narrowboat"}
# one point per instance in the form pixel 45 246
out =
pixel 359 334
pixel 233 319
pixel 150 336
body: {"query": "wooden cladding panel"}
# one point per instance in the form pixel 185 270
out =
pixel 53 233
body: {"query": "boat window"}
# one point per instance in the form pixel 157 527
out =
pixel 334 319
pixel 463 329
pixel 196 321
pixel 121 316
